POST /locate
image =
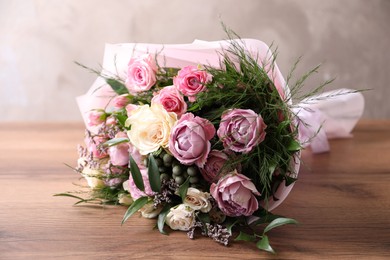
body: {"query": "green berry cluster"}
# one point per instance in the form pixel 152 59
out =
pixel 169 168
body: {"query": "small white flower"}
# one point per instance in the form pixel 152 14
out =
pixel 181 217
pixel 93 175
pixel 125 199
pixel 198 200
pixel 149 211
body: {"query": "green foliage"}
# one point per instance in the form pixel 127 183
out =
pixel 264 244
pixel 183 189
pixel 161 218
pixel 243 83
pixel 136 174
pixel 154 174
pixel 117 86
pixel 245 237
pixel 279 222
pixel 121 117
pixel 134 207
pixel 116 141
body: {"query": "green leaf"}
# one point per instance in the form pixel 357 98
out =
pixel 136 174
pixel 161 218
pixel 230 225
pixel 121 119
pixel 279 222
pixel 81 200
pixel 68 195
pixel 154 174
pixel 263 244
pixel 117 86
pixel 272 166
pixel 116 141
pixel 264 217
pixel 294 145
pixel 283 125
pixel 204 217
pixel 245 237
pixel 183 189
pixel 290 180
pixel 134 207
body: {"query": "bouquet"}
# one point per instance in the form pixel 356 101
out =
pixel 204 137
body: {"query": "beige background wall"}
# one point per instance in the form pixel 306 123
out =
pixel 40 39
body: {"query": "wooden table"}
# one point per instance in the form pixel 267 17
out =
pixel 342 201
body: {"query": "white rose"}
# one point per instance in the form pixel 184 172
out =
pixel 181 217
pixel 150 127
pixel 149 211
pixel 198 200
pixel 93 175
pixel 125 199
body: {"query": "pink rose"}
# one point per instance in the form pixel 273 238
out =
pixel 120 101
pixel 96 117
pixel 215 166
pixel 94 145
pixel 119 154
pixel 241 130
pixel 171 99
pixel 137 193
pixel 111 171
pixel 191 81
pixel 235 195
pixel 141 73
pixel 129 108
pixel 190 140
pixel 111 120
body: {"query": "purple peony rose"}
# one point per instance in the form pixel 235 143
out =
pixel 235 195
pixel 241 130
pixel 215 166
pixel 190 140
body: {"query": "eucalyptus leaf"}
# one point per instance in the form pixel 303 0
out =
pixel 154 174
pixel 117 86
pixel 136 174
pixel 116 141
pixel 161 218
pixel 279 222
pixel 134 207
pixel 263 244
pixel 183 189
pixel 245 237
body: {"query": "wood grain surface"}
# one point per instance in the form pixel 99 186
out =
pixel 342 201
